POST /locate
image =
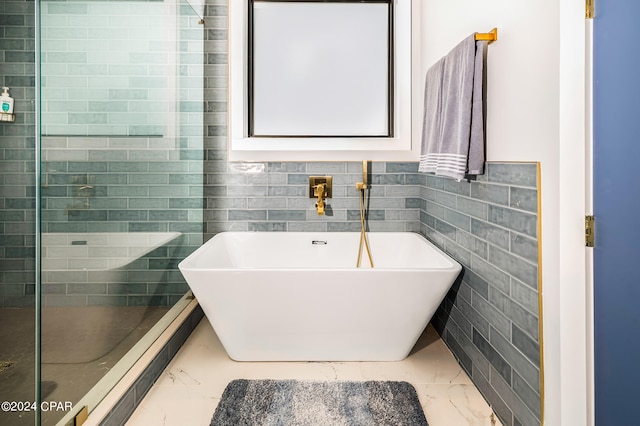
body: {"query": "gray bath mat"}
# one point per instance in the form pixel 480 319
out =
pixel 293 402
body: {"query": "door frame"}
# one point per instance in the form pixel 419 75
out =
pixel 589 280
pixel 569 395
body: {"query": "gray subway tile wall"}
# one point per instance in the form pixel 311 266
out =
pixel 490 319
pixel 494 311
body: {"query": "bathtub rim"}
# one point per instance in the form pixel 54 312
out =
pixel 186 264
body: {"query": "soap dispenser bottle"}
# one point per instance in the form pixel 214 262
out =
pixel 6 101
pixel 6 105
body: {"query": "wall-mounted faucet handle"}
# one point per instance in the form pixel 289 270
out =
pixel 320 188
pixel 319 191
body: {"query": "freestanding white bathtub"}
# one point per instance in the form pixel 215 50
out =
pixel 297 296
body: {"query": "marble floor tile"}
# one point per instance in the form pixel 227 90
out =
pixel 190 387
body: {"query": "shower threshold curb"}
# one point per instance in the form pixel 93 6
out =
pixel 127 394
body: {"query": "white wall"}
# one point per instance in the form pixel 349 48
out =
pixel 535 112
pixel 522 69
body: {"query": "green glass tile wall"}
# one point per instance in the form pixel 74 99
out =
pixel 125 105
pixel 17 156
pixel 17 211
pixel 103 67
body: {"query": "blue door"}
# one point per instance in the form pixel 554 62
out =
pixel 616 208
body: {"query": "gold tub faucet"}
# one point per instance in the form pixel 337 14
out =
pixel 320 192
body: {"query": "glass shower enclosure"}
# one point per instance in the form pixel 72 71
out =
pixel 102 177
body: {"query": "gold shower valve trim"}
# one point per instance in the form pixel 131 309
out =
pixel 314 181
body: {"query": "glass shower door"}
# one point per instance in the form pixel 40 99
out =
pixel 122 136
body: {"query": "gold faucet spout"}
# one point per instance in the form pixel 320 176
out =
pixel 319 191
